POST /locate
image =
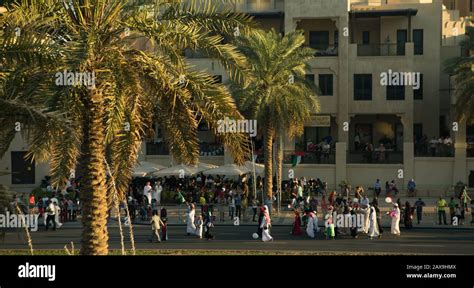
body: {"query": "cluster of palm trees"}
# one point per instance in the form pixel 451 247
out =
pixel 97 131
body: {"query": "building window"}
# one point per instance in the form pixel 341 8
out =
pixel 418 93
pixel 472 6
pixel 418 130
pixel 325 84
pixel 336 38
pixel 395 92
pixel 418 41
pixel 319 40
pixel 23 171
pixel 310 78
pixel 366 37
pixel 402 37
pixel 362 86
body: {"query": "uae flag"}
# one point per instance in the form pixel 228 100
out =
pixel 297 158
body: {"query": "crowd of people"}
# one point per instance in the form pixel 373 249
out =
pixel 442 146
pixel 211 199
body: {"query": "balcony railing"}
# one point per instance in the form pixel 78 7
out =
pixel 428 150
pixel 389 156
pixel 157 148
pixel 205 149
pixel 326 51
pixel 382 49
pixel 255 6
pixel 311 157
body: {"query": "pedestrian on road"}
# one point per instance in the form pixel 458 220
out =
pixel 375 204
pixel 441 203
pixel 408 216
pixel 199 223
pixel 373 226
pixel 395 214
pixel 329 223
pixel 465 198
pixel 208 225
pixel 458 214
pixel 377 187
pixel 260 221
pixel 411 188
pixel 157 192
pixel 231 207
pixel 164 219
pixel 266 224
pixel 190 227
pixel 57 212
pixel 147 192
pixel 238 206
pixel 452 208
pixel 419 209
pixel 156 225
pixel 472 211
pixel 297 224
pixel 312 224
pixel 50 215
pixel 254 210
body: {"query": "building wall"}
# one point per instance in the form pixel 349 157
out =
pixel 443 30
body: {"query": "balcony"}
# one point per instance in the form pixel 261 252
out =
pixel 382 49
pixel 262 6
pixel 205 149
pixel 159 148
pixel 389 156
pixel 326 51
pixel 311 157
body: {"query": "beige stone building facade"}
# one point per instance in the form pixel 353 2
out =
pixel 357 42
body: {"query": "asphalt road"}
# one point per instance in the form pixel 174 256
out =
pixel 416 241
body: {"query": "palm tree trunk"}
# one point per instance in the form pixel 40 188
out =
pixel 279 162
pixel 268 159
pixel 93 193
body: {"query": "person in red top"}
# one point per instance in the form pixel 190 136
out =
pixel 297 224
pixel 332 197
pixel 32 201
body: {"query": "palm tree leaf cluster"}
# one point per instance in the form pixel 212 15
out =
pixel 280 98
pixel 76 127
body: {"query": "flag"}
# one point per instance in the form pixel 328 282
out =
pixel 180 197
pixel 296 159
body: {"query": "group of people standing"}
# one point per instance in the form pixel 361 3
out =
pixel 195 224
pixel 358 207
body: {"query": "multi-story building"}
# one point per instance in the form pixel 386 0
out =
pixel 357 43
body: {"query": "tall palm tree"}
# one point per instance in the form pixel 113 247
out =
pixel 280 98
pixel 90 126
pixel 463 69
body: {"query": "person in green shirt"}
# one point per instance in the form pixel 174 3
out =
pixel 441 212
pixel 465 198
pixel 452 207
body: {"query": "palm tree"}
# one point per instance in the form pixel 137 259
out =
pixel 463 69
pixel 280 98
pixel 90 126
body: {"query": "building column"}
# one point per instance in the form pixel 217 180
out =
pixel 460 172
pixel 142 152
pixel 228 159
pixel 342 117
